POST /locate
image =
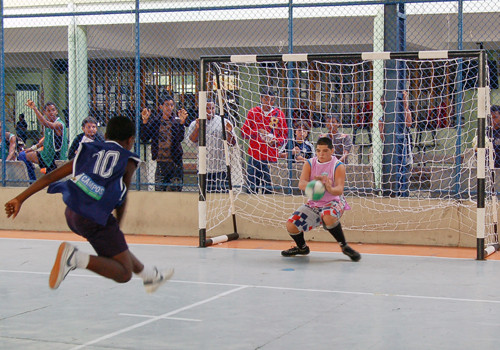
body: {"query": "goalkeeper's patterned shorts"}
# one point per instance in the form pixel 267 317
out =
pixel 306 217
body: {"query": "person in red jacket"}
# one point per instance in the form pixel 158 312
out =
pixel 266 130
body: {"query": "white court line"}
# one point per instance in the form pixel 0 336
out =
pixel 91 275
pixel 163 318
pixel 257 249
pixel 375 294
pixel 241 287
pixel 424 297
pixel 154 319
pixel 310 290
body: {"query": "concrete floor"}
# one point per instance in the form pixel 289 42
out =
pixel 250 299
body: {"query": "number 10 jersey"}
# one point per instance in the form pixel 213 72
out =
pixel 96 187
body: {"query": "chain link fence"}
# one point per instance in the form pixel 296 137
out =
pixel 94 61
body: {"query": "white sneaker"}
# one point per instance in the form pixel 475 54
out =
pixel 160 278
pixel 63 264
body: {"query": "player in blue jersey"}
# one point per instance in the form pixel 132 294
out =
pixel 101 174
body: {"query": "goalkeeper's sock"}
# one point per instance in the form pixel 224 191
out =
pixel 299 240
pixel 338 234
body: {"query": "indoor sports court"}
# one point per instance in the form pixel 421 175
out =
pixel 409 87
pixel 244 295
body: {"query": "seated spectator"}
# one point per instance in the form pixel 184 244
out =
pixel 302 149
pixel 342 143
pixel 89 134
pixel 10 145
pixel 55 140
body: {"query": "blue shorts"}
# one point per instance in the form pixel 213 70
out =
pixel 107 240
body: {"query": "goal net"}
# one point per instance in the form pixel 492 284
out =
pixel 405 125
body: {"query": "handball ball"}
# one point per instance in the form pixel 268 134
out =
pixel 315 190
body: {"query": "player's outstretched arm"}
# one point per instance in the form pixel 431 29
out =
pixel 13 206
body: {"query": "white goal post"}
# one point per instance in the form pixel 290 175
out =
pixel 407 168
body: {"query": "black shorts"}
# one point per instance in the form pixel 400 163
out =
pixel 107 240
pixel 42 164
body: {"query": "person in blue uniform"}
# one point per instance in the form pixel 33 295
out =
pixel 89 134
pixel 101 174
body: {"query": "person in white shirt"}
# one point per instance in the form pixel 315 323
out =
pixel 342 143
pixel 216 164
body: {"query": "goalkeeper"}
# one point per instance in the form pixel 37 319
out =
pixel 326 211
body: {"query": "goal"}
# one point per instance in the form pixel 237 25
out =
pixel 412 119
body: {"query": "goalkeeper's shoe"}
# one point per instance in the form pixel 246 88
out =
pixel 65 262
pixel 296 251
pixel 151 285
pixel 354 255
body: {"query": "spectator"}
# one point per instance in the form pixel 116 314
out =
pixel 494 133
pixel 302 149
pixel 302 115
pixel 402 183
pixel 266 129
pixel 21 128
pixel 10 145
pixel 55 141
pixel 342 143
pixel 363 121
pixel 435 117
pixel 216 164
pixel 89 134
pixel 407 115
pixel 421 125
pixel 403 151
pixel 166 132
pixel 381 120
